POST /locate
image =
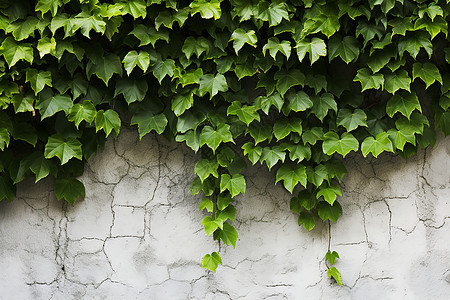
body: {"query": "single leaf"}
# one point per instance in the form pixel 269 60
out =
pixel 429 73
pixel 46 46
pixel 163 68
pixel 347 48
pixel 351 120
pixel 307 220
pixel 105 67
pixel 274 12
pixel 214 137
pixel 396 81
pixel 228 234
pixel 287 79
pixel 132 90
pixel 317 175
pixel 369 80
pixel 271 155
pixel 38 79
pixel 212 84
pixel 405 103
pixel 376 145
pixel 182 102
pixel 133 59
pixel 274 46
pixel 283 127
pixel 299 101
pixel 69 189
pixel 82 111
pixel 265 102
pixel 7 188
pixel 312 135
pixel 205 167
pixel 400 138
pixel 253 152
pixel 291 177
pixel 315 48
pixel 13 52
pixel 197 46
pixel 211 224
pixel 211 262
pixel 330 212
pixel 343 146
pixel 299 152
pixel 240 37
pixel 4 138
pixel 147 121
pixel 246 114
pixel 207 9
pixel 329 193
pixel 136 8
pixel 333 272
pixel 235 184
pixel 107 120
pixel 48 105
pixel 414 42
pixel 322 104
pixel 192 139
pixel 62 148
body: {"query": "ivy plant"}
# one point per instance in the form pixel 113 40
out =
pixel 294 85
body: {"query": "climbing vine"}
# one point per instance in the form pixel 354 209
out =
pixel 295 85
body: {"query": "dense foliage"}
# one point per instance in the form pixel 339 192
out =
pixel 294 85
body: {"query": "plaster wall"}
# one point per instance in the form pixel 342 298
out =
pixel 138 233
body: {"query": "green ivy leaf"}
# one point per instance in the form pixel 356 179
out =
pixel 13 52
pixel 283 127
pixel 136 8
pixel 291 177
pixel 316 48
pixel 369 80
pixel 246 114
pixel 414 124
pixel 207 9
pixel 206 203
pixel 62 148
pixel 376 145
pixel 108 120
pixel 192 139
pixel 147 121
pixel 105 67
pixel 271 155
pixel 197 46
pixel 329 193
pixel 253 152
pixel 274 12
pixel 405 103
pixel 400 138
pixel 351 120
pixel 69 189
pixel 4 138
pixel 347 48
pixel 48 5
pixel 235 184
pixel 149 35
pixel 307 220
pixel 163 68
pixel 317 175
pixel 240 37
pixel 299 101
pixel 274 46
pixel 46 46
pixel 211 262
pixel 397 81
pixel 133 59
pixel 182 102
pixel 265 102
pixel 287 79
pixel 214 137
pixel 205 167
pixel 212 84
pixel 413 43
pixel 304 200
pixel 322 104
pixel 333 272
pixel 50 104
pixel 82 111
pixel 343 146
pixel 311 136
pixel 330 212
pixel 23 103
pixel 211 224
pixel 229 234
pixel 7 188
pixel 132 90
pixel 429 73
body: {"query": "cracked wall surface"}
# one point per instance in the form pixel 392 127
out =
pixel 138 233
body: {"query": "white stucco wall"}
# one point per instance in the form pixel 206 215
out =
pixel 138 233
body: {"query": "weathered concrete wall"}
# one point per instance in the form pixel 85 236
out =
pixel 138 233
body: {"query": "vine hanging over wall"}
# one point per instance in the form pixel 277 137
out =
pixel 294 85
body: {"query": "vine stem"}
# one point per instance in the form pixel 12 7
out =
pixel 329 235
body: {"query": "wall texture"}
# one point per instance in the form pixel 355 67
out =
pixel 138 233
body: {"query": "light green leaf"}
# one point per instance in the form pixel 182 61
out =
pixel 108 120
pixel 207 9
pixel 274 12
pixel 82 111
pixel 148 121
pixel 274 46
pixel 205 167
pixel 136 8
pixel 343 146
pixel 405 103
pixel 299 152
pixel 271 155
pixel 351 120
pixel 307 220
pixel 23 29
pixel 4 138
pixel 192 139
pixel 317 175
pixel 283 127
pixel 429 73
pixel 85 22
pixel 223 200
pixel 316 48
pixel 414 42
pixel 322 104
pixel 197 46
pixel 253 152
pixel 149 35
pixel 240 37
pixel 13 52
pixel 329 193
pixel 212 84
pixel 38 79
pixel 287 79
pixel 432 10
pixel 265 102
pixel 69 189
pixel 133 59
pixel 64 149
pixel 246 114
pixel 400 138
pixel 214 137
pixel 369 80
pixel 235 184
pixel 347 48
pixel 333 272
pixel 49 105
pixel 163 68
pixel 211 262
pixel 331 256
pixel 23 103
pixel 48 5
pixel 299 101
pixel 291 177
pixel 182 102
pixel 105 67
pixel 329 212
pixel 46 46
pixel 396 81
pixel 206 203
pixel 376 145
pixel 228 234
pixel 312 135
pixel 211 224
